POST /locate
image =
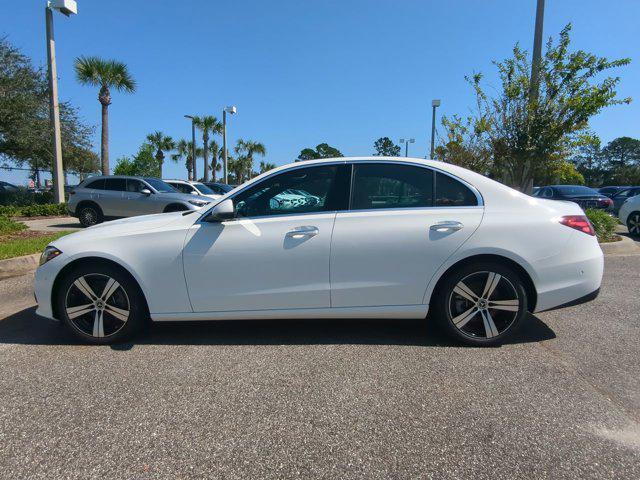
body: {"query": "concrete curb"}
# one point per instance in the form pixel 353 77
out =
pixel 626 246
pixel 19 265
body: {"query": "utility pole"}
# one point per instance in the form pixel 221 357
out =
pixel 194 173
pixel 232 110
pixel 54 110
pixel 534 87
pixel 434 104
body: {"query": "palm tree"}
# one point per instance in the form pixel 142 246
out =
pixel 183 151
pixel 106 74
pixel 207 125
pixel 266 166
pixel 247 149
pixel 162 143
pixel 216 155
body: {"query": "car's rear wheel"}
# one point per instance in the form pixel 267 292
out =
pixel 89 215
pixel 100 304
pixel 633 224
pixel 481 304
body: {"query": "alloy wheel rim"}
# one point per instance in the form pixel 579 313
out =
pixel 89 216
pixel 97 305
pixel 634 224
pixel 483 305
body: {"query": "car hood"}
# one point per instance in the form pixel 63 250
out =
pixel 125 226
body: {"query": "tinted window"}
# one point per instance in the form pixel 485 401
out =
pixel 96 184
pixel 159 185
pixel 303 190
pixel 117 184
pixel 575 190
pixel 391 186
pixel 203 189
pixel 135 185
pixel 182 187
pixel 452 193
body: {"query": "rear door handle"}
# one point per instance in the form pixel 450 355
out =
pixel 300 232
pixel 446 226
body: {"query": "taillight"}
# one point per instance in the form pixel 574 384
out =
pixel 606 201
pixel 578 222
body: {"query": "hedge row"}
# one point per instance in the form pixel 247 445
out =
pixel 50 209
pixel 23 198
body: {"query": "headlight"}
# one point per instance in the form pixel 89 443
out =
pixel 198 203
pixel 49 254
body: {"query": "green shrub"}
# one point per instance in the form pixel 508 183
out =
pixel 603 223
pixel 10 226
pixel 50 209
pixel 24 197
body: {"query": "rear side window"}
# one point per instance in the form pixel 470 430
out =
pixel 182 187
pixel 117 184
pixel 391 186
pixel 453 193
pixel 96 184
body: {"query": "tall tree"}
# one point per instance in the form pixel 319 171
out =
pixel 324 150
pixel 208 125
pixel 183 152
pixel 162 143
pixel 527 137
pixel 385 147
pixel 144 163
pixel 106 74
pixel 245 150
pixel 266 166
pixel 622 152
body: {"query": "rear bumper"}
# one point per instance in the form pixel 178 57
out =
pixel 578 301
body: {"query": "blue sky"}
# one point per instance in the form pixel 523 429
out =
pixel 304 72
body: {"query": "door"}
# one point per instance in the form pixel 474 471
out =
pixel 274 254
pixel 111 199
pixel 138 203
pixel 404 222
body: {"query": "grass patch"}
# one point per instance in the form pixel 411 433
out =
pixel 8 226
pixel 18 245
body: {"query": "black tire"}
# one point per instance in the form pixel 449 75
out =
pixel 175 207
pixel 89 215
pixel 633 224
pixel 123 295
pixel 469 315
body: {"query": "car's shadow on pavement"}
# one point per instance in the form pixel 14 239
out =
pixel 25 327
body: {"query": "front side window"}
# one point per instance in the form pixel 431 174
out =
pixel 303 190
pixel 115 184
pixel 182 187
pixel 135 186
pixel 452 193
pixel 391 186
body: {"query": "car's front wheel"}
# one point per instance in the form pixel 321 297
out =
pixel 481 304
pixel 100 304
pixel 633 224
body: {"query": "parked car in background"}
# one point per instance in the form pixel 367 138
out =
pixel 390 238
pixel 220 188
pixel 534 190
pixel 610 191
pixel 622 196
pixel 6 187
pixel 629 215
pixel 107 197
pixel 584 196
pixel 193 188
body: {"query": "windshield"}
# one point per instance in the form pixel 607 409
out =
pixel 575 190
pixel 203 189
pixel 160 186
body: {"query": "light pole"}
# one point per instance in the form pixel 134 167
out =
pixel 537 52
pixel 194 174
pixel 231 110
pixel 434 104
pixel 66 7
pixel 406 145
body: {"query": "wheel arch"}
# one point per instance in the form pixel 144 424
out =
pixel 88 203
pixel 532 293
pixel 94 260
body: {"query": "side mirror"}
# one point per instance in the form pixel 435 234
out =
pixel 221 212
pixel 145 191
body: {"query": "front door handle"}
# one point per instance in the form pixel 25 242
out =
pixel 300 232
pixel 446 226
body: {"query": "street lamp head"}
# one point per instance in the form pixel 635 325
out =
pixel 412 140
pixel 435 103
pixel 231 110
pixel 66 7
pixel 188 116
pixel 402 140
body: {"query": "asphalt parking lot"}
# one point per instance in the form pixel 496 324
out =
pixel 326 399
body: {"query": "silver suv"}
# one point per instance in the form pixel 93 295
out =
pixel 104 198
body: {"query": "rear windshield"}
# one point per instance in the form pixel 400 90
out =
pixel 575 190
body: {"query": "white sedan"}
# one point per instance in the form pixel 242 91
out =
pixel 390 237
pixel 629 215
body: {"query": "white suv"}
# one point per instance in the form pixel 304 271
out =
pixel 192 188
pixel 629 215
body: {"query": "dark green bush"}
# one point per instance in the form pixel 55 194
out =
pixel 603 223
pixel 24 197
pixel 50 209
